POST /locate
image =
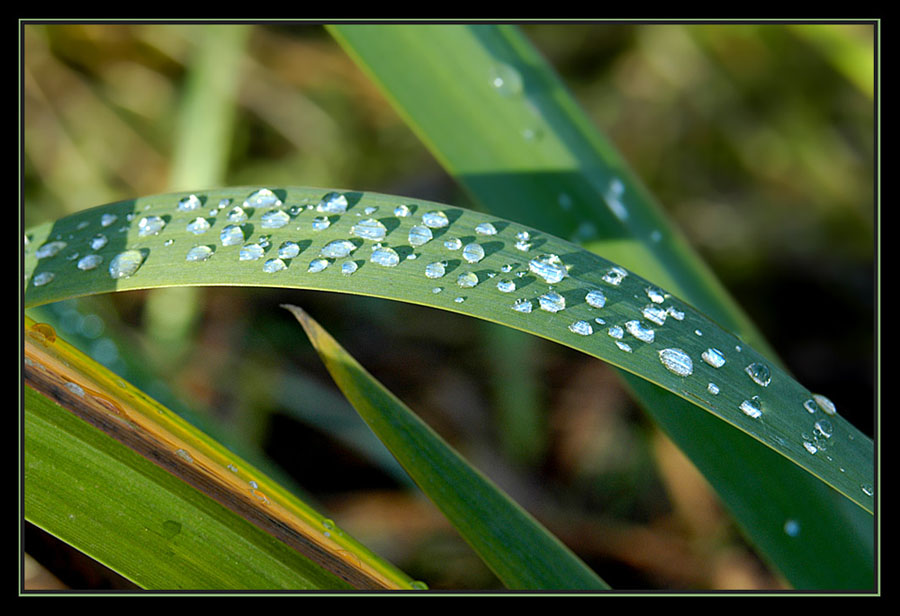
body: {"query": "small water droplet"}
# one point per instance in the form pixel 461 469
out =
pixel 810 447
pixel 369 229
pixel 582 328
pixel 437 290
pixel 184 455
pixel 189 203
pixel 317 265
pixel 274 219
pixel 452 243
pixel 677 361
pixel 656 296
pixel 676 314
pixel 435 270
pixel 402 211
pixel 759 373
pixel 824 428
pixel 89 262
pixel 76 389
pixel 231 235
pixel 867 489
pixel 713 357
pixel 506 286
pixel 637 329
pixel 506 80
pixel 337 249
pixel 198 226
pixel 50 249
pixel 616 332
pixel 435 219
pixel 150 225
pixel 698 332
pixel 98 241
pixel 825 404
pixel 615 275
pixel 237 215
pixel 552 302
pixel 108 219
pixel 320 223
pixel 473 253
pixel 274 265
pixel 595 298
pixel 459 300
pixel 522 305
pixel 751 407
pixel 418 585
pixel 333 203
pixel 199 253
pixel 288 250
pixel 713 389
pixel 486 228
pixel 467 279
pixel 549 267
pixel 420 235
pixel 126 263
pixel 654 313
pixel 43 278
pixel 251 252
pixel 791 528
pixel 385 256
pixel 348 267
pixel 262 198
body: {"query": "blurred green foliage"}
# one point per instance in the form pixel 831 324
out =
pixel 759 139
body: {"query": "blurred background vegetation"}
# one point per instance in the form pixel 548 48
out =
pixel 758 139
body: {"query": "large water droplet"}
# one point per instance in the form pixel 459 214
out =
pixel 231 235
pixel 385 256
pixel 288 250
pixel 522 305
pixel 435 270
pixel 467 279
pixel 595 298
pixel 637 329
pixel 150 225
pixel 337 249
pixel 262 198
pixel 420 235
pixel 435 219
pixel 582 328
pixel 473 253
pixel 552 302
pixel 751 407
pixel 125 264
pixel 189 203
pixel 615 332
pixel 369 229
pixel 506 80
pixel 199 253
pixel 43 278
pixel 615 275
pixel 237 215
pixel 348 267
pixel 714 358
pixel 89 262
pixel 825 404
pixel 549 267
pixel 198 226
pixel 759 373
pixel 654 313
pixel 274 265
pixel 251 252
pixel 274 219
pixel 317 265
pixel 486 228
pixel 676 361
pixel 333 203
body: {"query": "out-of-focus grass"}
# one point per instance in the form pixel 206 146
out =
pixel 729 125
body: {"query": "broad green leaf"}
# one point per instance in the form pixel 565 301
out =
pixel 498 118
pixel 641 328
pixel 516 547
pixel 126 481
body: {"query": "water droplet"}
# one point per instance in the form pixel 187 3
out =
pixel 654 313
pixel 506 286
pixel 320 223
pixel 198 226
pixel 348 267
pixel 791 528
pixel 581 327
pixel 333 203
pixel 713 357
pixel 337 249
pixel 623 346
pixel 486 228
pixel 751 407
pixel 759 373
pixel 452 243
pixel 317 265
pixel 811 406
pixel 713 389
pixel 825 404
pixel 169 242
pixel 824 428
pixel 420 235
pixel 810 447
pixel 274 265
pixel 522 305
pixel 506 80
pixel 251 252
pixel 698 332
pixel 370 210
pixel 89 262
pixel 369 229
pixel 435 270
pixel 184 455
pixel 237 215
pixel 43 278
pixel 50 249
pixel 418 585
pixel 108 219
pixel 189 203
pixel 274 219
pixel 656 296
pixel 616 332
pixel 125 264
pixel 459 300
pixel 676 361
pixel 231 235
pixel 473 253
pixel 676 314
pixel 467 279
pixel 615 275
pixel 595 298
pixel 552 302
pixel 402 211
pixel 549 267
pixel 435 220
pixel 199 253
pixel 437 290
pixel 636 329
pixel 385 256
pixel 288 250
pixel 262 198
pixel 98 241
pixel 150 225
pixel 867 489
